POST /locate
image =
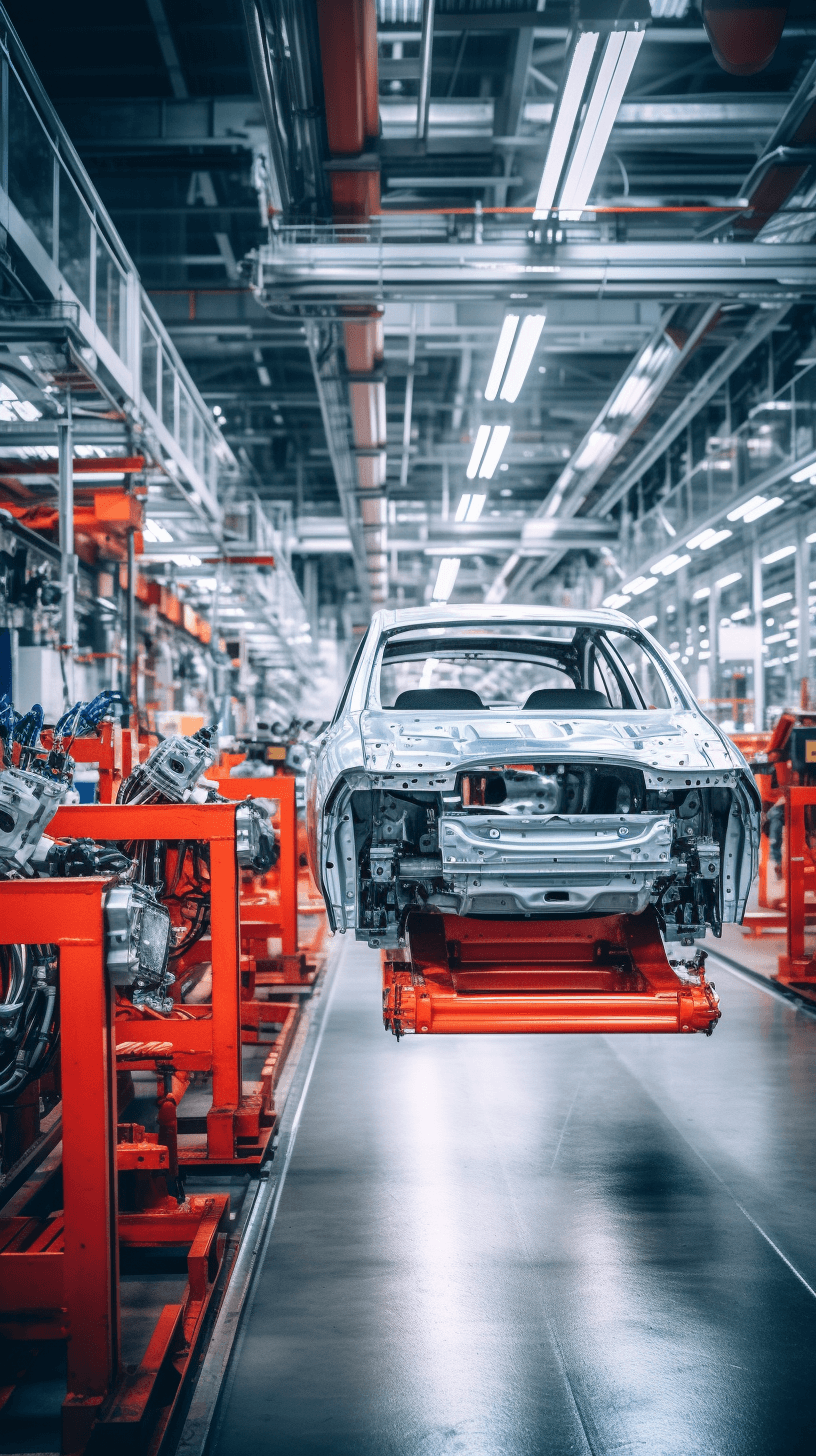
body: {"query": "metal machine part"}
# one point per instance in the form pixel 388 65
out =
pixel 255 845
pixel 138 933
pixel 28 802
pixel 173 769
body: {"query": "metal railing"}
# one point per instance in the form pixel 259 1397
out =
pixel 778 434
pixel 59 227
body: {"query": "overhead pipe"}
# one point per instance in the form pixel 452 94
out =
pixel 744 35
pixel 348 48
pixel 262 71
pixel 425 62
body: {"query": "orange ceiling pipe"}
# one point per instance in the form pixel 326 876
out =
pixel 348 50
pixel 364 344
pixel 368 415
pixel 744 35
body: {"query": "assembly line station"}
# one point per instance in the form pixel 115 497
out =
pixel 461 317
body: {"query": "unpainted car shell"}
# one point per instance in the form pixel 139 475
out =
pixel 369 748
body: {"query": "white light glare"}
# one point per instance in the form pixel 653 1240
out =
pixel 671 563
pixel 508 333
pixel 669 9
pixel 619 56
pixel 701 594
pixel 470 507
pixel 708 538
pixel 778 599
pixel 479 443
pixel 729 580
pixel 811 538
pixel 446 578
pixel 749 505
pixel 778 555
pixel 599 443
pixel 616 600
pixel 640 584
pixel 529 335
pixel 155 531
pixel 763 510
pixel 807 473
pixel 565 120
pixel 741 614
pixel 647 622
pixel 493 453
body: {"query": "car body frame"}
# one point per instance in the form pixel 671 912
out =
pixel 536 805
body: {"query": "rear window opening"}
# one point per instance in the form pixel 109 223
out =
pixel 543 669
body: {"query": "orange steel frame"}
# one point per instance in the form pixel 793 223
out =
pixel 204 1037
pixel 604 974
pixel 59 1277
pixel 262 915
pixel 797 965
pixel 115 749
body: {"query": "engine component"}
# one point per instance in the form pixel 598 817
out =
pixel 28 801
pixel 172 770
pixel 138 934
pixel 29 1015
pixel 84 857
pixel 254 838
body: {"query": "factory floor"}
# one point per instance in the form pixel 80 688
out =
pixel 541 1245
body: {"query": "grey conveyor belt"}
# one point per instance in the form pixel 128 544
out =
pixel 541 1244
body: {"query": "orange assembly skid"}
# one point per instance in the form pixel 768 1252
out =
pixel 597 975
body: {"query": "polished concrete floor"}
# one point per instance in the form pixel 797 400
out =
pixel 521 1246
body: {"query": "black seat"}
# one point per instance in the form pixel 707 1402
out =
pixel 567 699
pixel 440 700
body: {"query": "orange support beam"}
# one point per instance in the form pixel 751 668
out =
pixel 604 974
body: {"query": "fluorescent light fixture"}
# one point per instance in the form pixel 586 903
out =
pixel 505 344
pixel 708 538
pixel 619 56
pixel 482 435
pixel 616 600
pixel 778 555
pixel 778 599
pixel 446 578
pixel 640 585
pixel 528 338
pixel 701 594
pixel 671 563
pixel 749 505
pixel 599 442
pixel 769 505
pixel 647 622
pixel 187 560
pixel 470 507
pixel 156 532
pixel 807 473
pixel 729 580
pixel 811 538
pixel 669 9
pixel 493 453
pixel 561 135
pixel 778 637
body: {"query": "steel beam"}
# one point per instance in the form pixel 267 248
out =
pixel 390 270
